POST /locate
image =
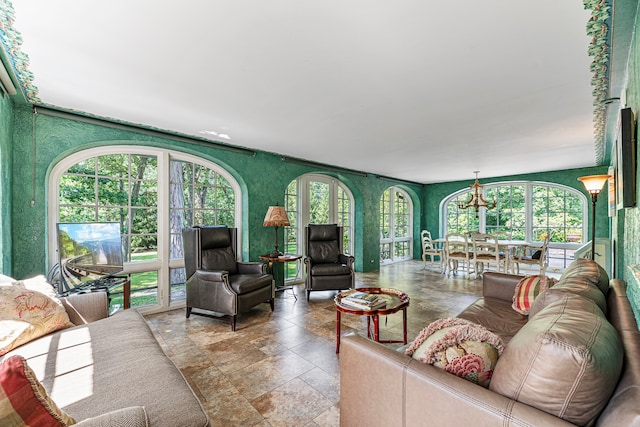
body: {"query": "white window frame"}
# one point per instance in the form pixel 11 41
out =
pixel 163 263
pixel 303 205
pixel 392 239
pixel 528 209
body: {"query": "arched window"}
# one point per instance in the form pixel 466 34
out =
pixel 396 225
pixel 153 194
pixel 316 199
pixel 525 211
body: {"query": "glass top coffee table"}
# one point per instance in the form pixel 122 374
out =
pixel 396 301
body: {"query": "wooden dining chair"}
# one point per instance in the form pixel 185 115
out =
pixel 430 250
pixel 532 256
pixel 487 252
pixel 456 252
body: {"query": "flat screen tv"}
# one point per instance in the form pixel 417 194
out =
pixel 88 251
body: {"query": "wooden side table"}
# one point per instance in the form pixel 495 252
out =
pixel 276 265
pixel 396 301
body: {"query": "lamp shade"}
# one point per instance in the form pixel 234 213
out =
pixel 276 217
pixel 594 183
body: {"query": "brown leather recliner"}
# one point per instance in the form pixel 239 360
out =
pixel 216 281
pixel 327 267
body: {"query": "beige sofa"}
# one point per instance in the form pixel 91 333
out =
pixel 566 364
pixel 108 363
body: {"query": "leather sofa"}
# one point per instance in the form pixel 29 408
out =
pixel 544 377
pixel 106 365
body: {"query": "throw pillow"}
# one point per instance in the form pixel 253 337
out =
pixel 460 347
pixel 28 309
pixel 527 290
pixel 23 400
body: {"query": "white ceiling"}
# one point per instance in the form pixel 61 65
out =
pixel 418 90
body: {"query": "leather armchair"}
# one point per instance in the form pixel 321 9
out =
pixel 327 267
pixel 216 281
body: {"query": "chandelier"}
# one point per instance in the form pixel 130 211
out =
pixel 476 199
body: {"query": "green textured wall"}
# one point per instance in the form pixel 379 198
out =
pixel 263 178
pixel 628 227
pixel 436 192
pixel 6 131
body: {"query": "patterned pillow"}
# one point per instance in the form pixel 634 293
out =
pixel 28 309
pixel 527 290
pixel 23 400
pixel 460 347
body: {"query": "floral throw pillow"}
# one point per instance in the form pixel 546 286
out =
pixel 527 290
pixel 28 309
pixel 460 347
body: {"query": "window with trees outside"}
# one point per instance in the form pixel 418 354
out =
pixel 396 225
pixel 315 199
pixel 525 211
pixel 136 186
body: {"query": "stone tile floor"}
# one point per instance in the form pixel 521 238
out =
pixel 280 368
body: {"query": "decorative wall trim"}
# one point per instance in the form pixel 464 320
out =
pixel 11 41
pixel 598 30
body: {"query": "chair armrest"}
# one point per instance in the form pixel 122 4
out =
pixel 252 267
pixel 212 275
pixel 86 308
pixel 346 259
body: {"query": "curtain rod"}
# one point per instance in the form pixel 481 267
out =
pixel 398 180
pixel 133 128
pixel 322 165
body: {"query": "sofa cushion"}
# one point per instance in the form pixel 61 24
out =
pixel 99 367
pixel 576 285
pixel 29 309
pixel 459 347
pixel 527 290
pixel 134 416
pixel 23 400
pixel 496 315
pixel 589 269
pixel 565 361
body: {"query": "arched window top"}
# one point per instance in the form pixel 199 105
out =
pixel 525 210
pixel 153 194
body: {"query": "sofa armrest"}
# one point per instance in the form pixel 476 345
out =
pixel 380 386
pixel 86 308
pixel 499 285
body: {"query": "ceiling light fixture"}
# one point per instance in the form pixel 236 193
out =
pixel 476 199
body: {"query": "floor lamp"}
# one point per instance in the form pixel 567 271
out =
pixel 593 184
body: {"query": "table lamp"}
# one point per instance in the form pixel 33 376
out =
pixel 276 217
pixel 593 184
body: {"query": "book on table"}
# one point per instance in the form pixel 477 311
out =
pixel 358 306
pixel 363 300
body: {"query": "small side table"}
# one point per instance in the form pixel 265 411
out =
pixel 396 301
pixel 276 265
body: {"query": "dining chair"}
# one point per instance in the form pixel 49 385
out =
pixel 487 252
pixel 532 256
pixel 457 251
pixel 430 249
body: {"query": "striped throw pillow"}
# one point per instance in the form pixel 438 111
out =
pixel 527 290
pixel 23 400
